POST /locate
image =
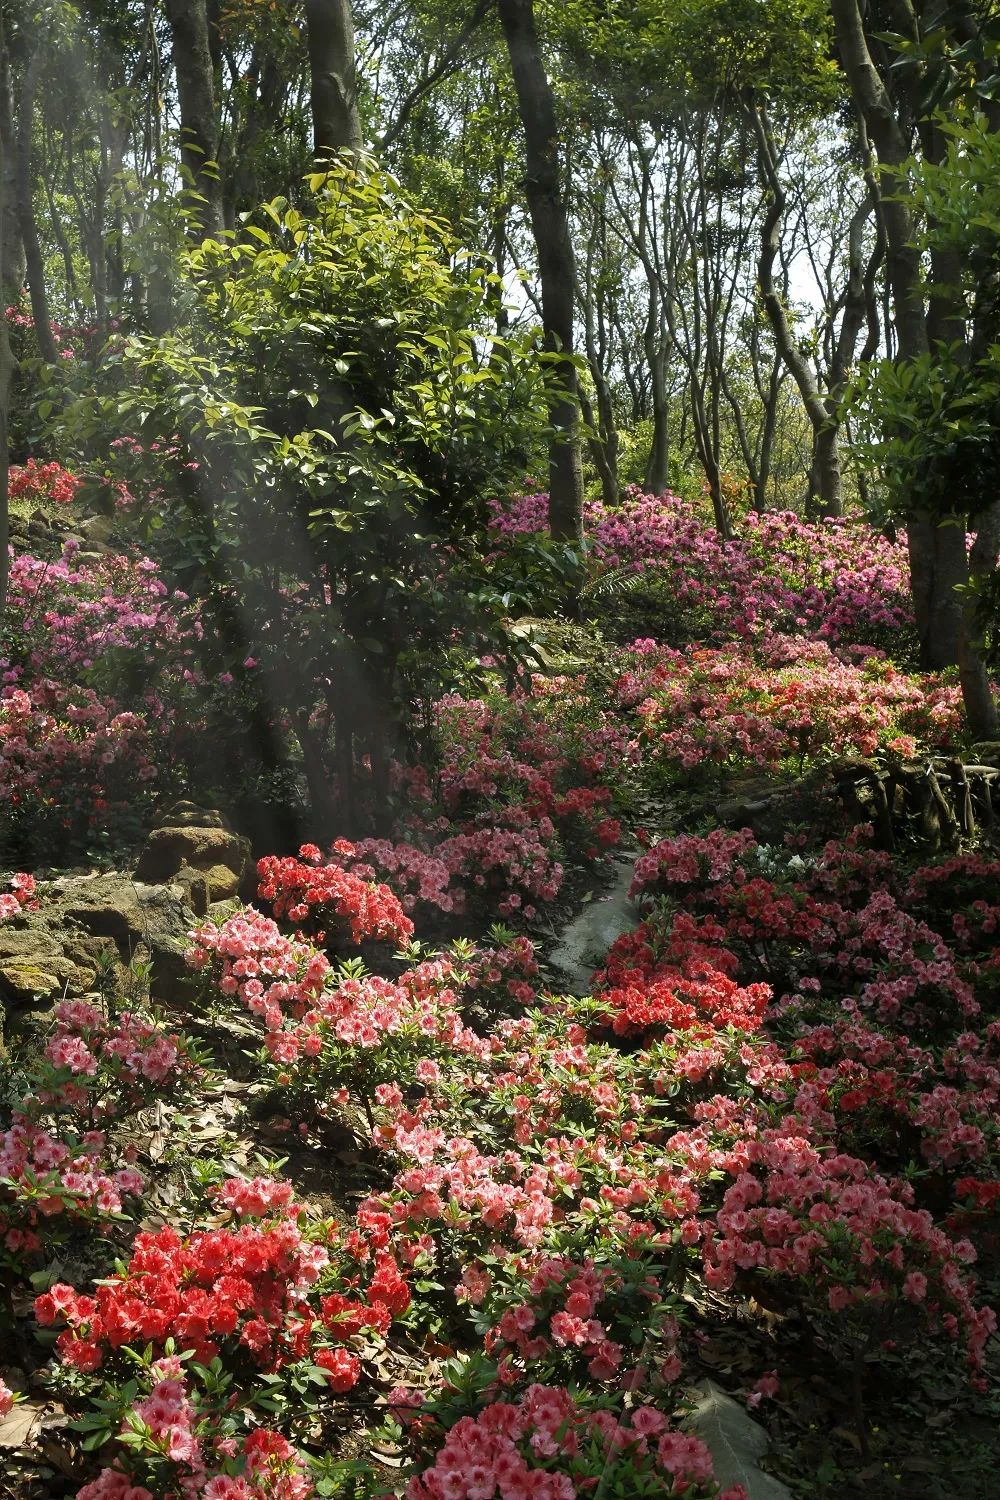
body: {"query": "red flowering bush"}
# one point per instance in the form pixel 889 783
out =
pixel 673 1003
pixel 36 482
pixel 346 908
pixel 260 1295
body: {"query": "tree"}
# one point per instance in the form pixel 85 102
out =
pixel 931 423
pixel 199 114
pixel 895 104
pixel 332 74
pixel 328 427
pixel 556 268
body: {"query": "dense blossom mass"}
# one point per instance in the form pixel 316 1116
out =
pixel 783 1086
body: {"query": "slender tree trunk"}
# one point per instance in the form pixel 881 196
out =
pixel 11 243
pixel 657 476
pixel 200 132
pixel 656 479
pixel 603 438
pixel 935 565
pixel 34 264
pixel 550 226
pixel 824 474
pixel 599 452
pixel 977 691
pixel 332 77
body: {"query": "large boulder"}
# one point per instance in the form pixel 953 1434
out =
pixel 196 849
pixel 85 934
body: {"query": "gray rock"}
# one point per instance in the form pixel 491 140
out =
pixel 736 1443
pixel 588 937
pixel 85 933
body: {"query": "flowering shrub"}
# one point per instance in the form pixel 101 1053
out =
pixel 551 1446
pixel 563 1317
pixel 781 702
pixel 851 1243
pixel 839 581
pixel 259 1295
pixel 57 745
pixel 20 897
pixel 60 1165
pixel 677 1003
pixel 50 1182
pixel 489 867
pixel 306 891
pixel 171 1444
pixel 35 481
pixel 325 1027
pixel 101 1068
pixel 66 617
pixel 819 923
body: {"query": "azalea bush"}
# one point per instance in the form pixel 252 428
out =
pixel 840 581
pixel 778 704
pixel 65 1161
pixel 554 1445
pixel 88 742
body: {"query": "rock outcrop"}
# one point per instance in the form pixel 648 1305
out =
pixel 195 848
pixel 83 937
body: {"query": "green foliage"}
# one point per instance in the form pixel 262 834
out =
pixel 931 425
pixel 323 433
pixel 669 57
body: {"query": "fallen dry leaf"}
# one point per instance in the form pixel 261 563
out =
pixel 22 1424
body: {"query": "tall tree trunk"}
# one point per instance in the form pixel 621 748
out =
pixel 192 53
pixel 599 452
pixel 332 77
pixel 550 226
pixel 11 243
pixel 656 479
pixel 34 264
pixel 977 690
pixel 935 565
pixel 824 474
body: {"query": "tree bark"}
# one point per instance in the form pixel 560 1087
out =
pixel 935 565
pixel 11 243
pixel 333 83
pixel 825 471
pixel 550 226
pixel 200 131
pixel 977 690
pixel 34 264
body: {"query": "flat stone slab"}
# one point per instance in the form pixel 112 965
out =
pixel 586 940
pixel 736 1443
